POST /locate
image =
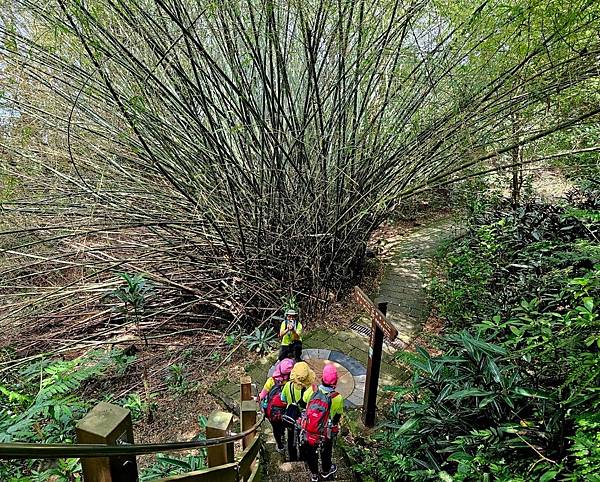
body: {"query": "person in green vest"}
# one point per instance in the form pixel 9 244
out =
pixel 301 378
pixel 290 333
pixel 271 401
pixel 320 424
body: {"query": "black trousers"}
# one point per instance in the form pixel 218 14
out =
pixel 291 444
pixel 310 454
pixel 293 350
pixel 278 433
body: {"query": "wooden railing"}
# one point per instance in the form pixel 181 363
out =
pixel 108 453
pixel 223 465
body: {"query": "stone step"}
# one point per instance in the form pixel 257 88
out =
pixel 305 477
pixel 297 471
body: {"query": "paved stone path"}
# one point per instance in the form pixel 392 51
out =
pixel 403 284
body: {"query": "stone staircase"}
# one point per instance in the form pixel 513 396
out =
pixel 276 469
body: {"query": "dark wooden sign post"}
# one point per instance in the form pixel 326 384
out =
pixel 380 326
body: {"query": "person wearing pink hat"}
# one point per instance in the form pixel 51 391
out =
pixel 320 424
pixel 271 402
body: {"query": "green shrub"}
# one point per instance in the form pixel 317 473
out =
pixel 260 340
pixel 514 396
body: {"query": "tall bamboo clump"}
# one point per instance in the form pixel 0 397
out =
pixel 238 150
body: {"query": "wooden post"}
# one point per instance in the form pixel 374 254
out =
pixel 245 388
pixel 111 425
pixel 373 368
pixel 380 326
pixel 248 419
pixel 218 426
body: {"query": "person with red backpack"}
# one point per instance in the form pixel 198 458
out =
pixel 319 424
pixel 301 379
pixel 271 402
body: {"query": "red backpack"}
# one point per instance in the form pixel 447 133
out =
pixel 315 420
pixel 275 407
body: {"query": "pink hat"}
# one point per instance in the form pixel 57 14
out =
pixel 330 375
pixel 283 368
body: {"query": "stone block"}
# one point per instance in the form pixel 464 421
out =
pixel 361 343
pixel 361 355
pixel 354 366
pixel 322 354
pixel 339 345
pixel 292 468
pixel 356 398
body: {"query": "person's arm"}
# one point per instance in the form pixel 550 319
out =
pixel 337 410
pixel 283 329
pixel 297 331
pixel 267 388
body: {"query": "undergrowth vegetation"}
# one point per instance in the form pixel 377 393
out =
pixel 44 400
pixel 515 394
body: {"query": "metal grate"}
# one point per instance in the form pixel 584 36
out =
pixel 360 329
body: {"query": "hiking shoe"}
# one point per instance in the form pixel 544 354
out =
pixel 330 474
pixel 314 477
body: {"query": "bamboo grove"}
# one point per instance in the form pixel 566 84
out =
pixel 236 151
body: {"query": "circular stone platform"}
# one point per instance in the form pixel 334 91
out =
pixel 352 374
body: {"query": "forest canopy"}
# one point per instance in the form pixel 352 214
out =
pixel 237 151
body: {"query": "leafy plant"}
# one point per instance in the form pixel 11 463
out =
pixel 122 361
pixel 512 395
pixel 134 294
pixel 45 394
pixel 290 303
pixel 65 470
pixel 260 340
pixel 586 447
pixel 139 407
pixel 166 466
pixel 40 404
pixel 176 378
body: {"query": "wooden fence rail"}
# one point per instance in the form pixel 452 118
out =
pixel 111 425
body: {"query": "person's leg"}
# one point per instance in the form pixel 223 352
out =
pixel 326 453
pixel 298 351
pixel 279 434
pixel 311 456
pixel 291 444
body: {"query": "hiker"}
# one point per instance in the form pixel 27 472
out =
pixel 290 333
pixel 301 378
pixel 271 402
pixel 320 424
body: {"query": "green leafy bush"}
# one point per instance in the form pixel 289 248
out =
pixel 166 466
pixel 260 340
pixel 39 403
pixel 585 449
pixel 514 396
pixel 176 380
pixel 462 411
